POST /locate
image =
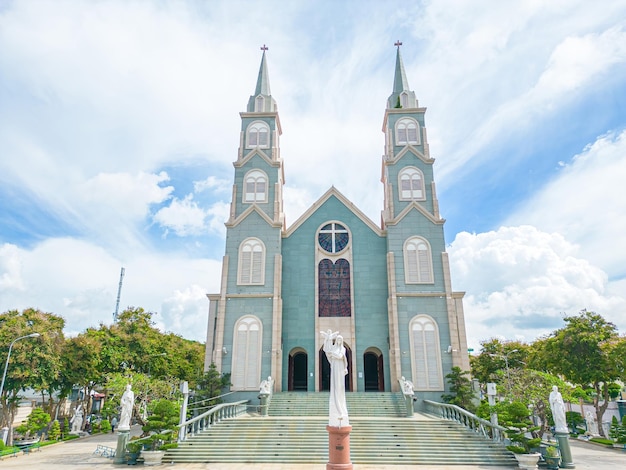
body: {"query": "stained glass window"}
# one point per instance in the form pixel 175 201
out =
pixel 333 237
pixel 334 288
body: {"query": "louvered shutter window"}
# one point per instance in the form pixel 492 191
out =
pixel 258 135
pixel 428 374
pixel 407 132
pixel 252 262
pixel 417 261
pixel 247 353
pixel 255 187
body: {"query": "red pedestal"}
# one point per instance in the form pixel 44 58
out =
pixel 339 448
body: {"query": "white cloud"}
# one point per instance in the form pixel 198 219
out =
pixel 520 282
pixel 10 268
pixel 184 217
pixel 584 203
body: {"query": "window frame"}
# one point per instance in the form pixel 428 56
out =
pixel 418 270
pixel 246 370
pixel 254 132
pixel 255 195
pixel 426 364
pixel 251 272
pixel 411 171
pixel 402 131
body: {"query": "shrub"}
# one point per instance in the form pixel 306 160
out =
pixel 55 431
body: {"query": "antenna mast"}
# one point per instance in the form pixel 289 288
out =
pixel 119 293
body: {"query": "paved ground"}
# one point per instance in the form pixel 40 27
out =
pixel 78 454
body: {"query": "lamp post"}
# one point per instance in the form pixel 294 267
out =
pixel 505 356
pixel 6 365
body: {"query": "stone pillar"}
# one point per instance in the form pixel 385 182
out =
pixel 566 454
pixel 120 451
pixel 265 399
pixel 339 448
pixel 408 402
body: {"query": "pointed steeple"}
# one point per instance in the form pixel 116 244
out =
pixel 402 96
pixel 262 100
pixel 400 83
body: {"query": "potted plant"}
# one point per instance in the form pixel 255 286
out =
pixel 553 457
pixel 133 450
pixel 523 446
pixel 162 428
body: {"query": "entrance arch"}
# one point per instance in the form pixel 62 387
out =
pixel 298 371
pixel 373 368
pixel 324 377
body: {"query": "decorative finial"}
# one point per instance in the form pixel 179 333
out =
pixel 264 47
pixel 398 43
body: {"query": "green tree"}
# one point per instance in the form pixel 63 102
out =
pixel 34 362
pixel 37 421
pixel 496 358
pixel 55 431
pixel 209 388
pixel 583 351
pixel 162 422
pixel 532 388
pixel 461 390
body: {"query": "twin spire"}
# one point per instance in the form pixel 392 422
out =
pixel 401 96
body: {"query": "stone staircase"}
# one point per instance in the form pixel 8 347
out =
pixel 295 432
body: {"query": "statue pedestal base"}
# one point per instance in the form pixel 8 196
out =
pixel 120 451
pixel 339 448
pixel 566 454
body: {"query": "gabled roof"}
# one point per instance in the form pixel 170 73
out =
pixel 253 208
pixel 412 150
pixel 418 207
pixel 260 153
pixel 334 192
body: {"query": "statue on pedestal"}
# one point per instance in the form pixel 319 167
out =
pixel 77 420
pixel 558 410
pixel 127 402
pixel 336 355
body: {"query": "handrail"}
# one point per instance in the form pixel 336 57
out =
pixel 472 422
pixel 210 417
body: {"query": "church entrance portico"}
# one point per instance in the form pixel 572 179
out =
pixel 374 372
pixel 298 371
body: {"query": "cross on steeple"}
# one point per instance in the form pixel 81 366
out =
pixel 264 48
pixel 398 43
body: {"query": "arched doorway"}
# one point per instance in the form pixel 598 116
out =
pixel 324 377
pixel 374 371
pixel 298 371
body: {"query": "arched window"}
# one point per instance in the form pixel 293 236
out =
pixel 334 288
pixel 255 187
pixel 418 266
pixel 251 262
pixel 411 183
pixel 246 365
pixel 425 354
pixel 258 135
pixel 258 104
pixel 404 100
pixel 407 132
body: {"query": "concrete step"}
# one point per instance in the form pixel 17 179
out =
pixel 372 441
pixel 358 403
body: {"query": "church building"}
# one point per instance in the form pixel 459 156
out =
pixel 384 287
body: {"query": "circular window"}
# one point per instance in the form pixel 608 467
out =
pixel 333 237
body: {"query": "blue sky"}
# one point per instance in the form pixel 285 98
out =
pixel 119 123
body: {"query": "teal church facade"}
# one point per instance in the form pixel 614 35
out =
pixel 385 287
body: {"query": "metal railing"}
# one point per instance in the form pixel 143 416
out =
pixel 470 421
pixel 211 417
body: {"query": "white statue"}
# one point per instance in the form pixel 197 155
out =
pixel 407 386
pixel 558 410
pixel 592 425
pixel 77 420
pixel 127 402
pixel 336 355
pixel 266 386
